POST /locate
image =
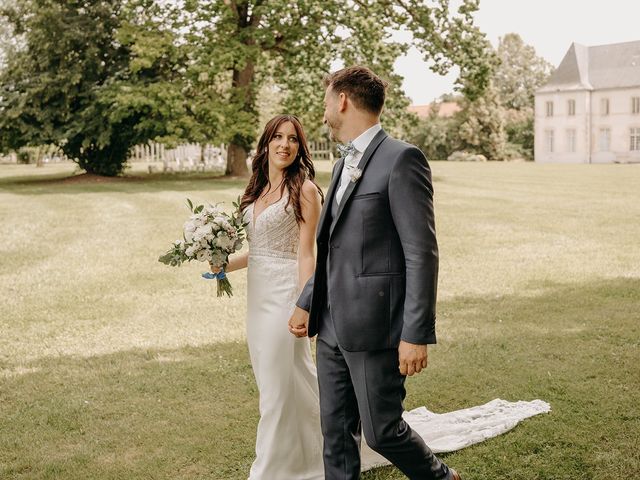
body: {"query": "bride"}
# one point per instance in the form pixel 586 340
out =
pixel 281 205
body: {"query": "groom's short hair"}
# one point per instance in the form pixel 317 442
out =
pixel 363 87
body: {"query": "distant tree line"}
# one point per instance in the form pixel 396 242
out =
pixel 498 123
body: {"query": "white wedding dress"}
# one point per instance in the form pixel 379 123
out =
pixel 289 440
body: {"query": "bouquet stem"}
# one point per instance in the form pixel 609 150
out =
pixel 224 287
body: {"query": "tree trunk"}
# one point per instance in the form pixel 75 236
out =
pixel 237 151
pixel 237 161
pixel 39 157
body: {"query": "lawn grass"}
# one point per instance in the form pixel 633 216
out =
pixel 113 366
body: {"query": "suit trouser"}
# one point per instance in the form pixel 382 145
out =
pixel 365 390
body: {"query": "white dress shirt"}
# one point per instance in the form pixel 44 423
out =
pixel 351 161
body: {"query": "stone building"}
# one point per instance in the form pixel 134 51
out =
pixel 589 110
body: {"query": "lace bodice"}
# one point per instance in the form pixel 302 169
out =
pixel 275 231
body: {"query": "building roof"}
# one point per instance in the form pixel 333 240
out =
pixel 594 68
pixel 445 109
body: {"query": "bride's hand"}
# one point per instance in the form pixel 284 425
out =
pixel 215 269
pixel 299 322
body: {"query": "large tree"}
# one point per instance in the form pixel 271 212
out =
pixel 517 77
pixel 482 125
pixel 292 44
pixel 88 79
pixel 520 72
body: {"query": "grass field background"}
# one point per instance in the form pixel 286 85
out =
pixel 113 366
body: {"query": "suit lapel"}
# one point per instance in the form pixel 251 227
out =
pixel 368 153
pixel 333 186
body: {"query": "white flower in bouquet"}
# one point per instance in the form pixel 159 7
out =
pixel 210 235
pixel 208 231
pixel 191 250
pixel 203 255
pixel 211 210
pixel 199 234
pixel 225 243
pixel 189 228
pixel 218 258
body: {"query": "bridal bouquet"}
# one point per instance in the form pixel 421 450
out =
pixel 210 235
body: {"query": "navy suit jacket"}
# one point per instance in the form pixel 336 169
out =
pixel 377 260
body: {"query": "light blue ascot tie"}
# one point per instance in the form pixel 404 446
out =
pixel 346 150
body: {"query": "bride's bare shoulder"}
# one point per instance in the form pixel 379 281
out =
pixel 310 192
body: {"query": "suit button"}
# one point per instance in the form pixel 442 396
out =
pixel 381 293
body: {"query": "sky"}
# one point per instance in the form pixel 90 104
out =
pixel 550 26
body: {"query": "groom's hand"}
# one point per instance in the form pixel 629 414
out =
pixel 413 358
pixel 299 322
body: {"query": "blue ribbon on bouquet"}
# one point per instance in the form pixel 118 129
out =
pixel 214 276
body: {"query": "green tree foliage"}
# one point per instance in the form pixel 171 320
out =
pixel 497 123
pixel 478 127
pixel 97 77
pixel 87 80
pixel 435 135
pixel 293 44
pixel 482 126
pixel 517 77
pixel 150 92
pixel 8 40
pixel 520 72
pixel 520 132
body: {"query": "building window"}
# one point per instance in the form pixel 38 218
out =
pixel 604 142
pixel 604 106
pixel 571 140
pixel 549 140
pixel 635 140
pixel 571 107
pixel 635 105
pixel 549 109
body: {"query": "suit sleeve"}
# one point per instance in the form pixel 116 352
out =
pixel 304 300
pixel 411 203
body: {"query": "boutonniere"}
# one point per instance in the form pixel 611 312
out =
pixel 354 173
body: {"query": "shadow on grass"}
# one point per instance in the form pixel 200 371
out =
pixel 125 184
pixel 48 184
pixel 192 412
pixel 180 182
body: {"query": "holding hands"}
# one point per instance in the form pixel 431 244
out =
pixel 299 322
pixel 412 358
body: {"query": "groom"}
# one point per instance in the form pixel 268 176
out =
pixel 372 298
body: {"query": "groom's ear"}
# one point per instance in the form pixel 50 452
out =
pixel 342 101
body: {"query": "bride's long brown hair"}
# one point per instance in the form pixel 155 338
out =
pixel 293 176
